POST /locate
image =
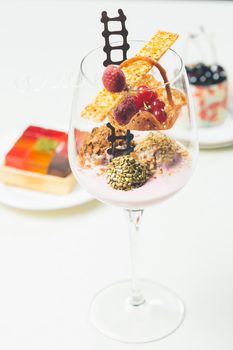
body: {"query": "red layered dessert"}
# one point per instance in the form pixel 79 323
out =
pixel 39 160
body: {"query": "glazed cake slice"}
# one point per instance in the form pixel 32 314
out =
pixel 39 161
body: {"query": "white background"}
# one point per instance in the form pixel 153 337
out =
pixel 52 263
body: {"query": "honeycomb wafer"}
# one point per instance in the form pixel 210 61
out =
pixel 144 120
pixel 105 101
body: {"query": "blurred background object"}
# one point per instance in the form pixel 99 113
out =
pixel 208 79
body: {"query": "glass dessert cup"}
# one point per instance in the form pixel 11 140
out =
pixel 134 311
pixel 208 80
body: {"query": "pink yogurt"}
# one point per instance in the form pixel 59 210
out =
pixel 154 191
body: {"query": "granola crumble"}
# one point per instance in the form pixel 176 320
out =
pixel 95 146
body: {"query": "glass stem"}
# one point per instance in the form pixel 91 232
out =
pixel 134 219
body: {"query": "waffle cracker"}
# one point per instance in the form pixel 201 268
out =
pixel 105 101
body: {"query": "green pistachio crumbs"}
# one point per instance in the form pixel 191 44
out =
pixel 125 173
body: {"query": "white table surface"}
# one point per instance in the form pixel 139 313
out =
pixel 52 263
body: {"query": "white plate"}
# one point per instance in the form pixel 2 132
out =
pixel 210 137
pixel 217 136
pixel 32 200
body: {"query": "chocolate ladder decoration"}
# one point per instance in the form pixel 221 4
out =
pixel 106 34
pixel 128 137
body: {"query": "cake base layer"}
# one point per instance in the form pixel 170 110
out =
pixel 35 181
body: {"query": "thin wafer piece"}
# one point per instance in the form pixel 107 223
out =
pixel 173 112
pixel 105 101
pixel 144 120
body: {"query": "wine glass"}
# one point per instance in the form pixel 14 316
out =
pixel 135 311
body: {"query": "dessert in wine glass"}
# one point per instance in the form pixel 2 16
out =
pixel 124 149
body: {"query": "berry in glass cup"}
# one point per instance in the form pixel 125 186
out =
pixel 209 87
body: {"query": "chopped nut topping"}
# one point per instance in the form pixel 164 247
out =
pixel 125 173
pixel 157 150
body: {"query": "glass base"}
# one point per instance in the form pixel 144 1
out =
pixel 159 316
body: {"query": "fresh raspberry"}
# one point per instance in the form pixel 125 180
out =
pixel 114 79
pixel 125 110
pixel 145 96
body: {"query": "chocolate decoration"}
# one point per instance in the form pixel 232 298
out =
pixel 106 34
pixel 114 151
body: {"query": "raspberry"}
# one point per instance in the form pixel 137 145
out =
pixel 125 110
pixel 114 79
pixel 145 95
